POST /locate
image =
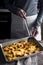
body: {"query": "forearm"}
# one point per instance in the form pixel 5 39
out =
pixel 38 20
pixel 10 6
pixel 13 10
pixel 39 17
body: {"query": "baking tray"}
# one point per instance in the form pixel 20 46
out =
pixel 18 40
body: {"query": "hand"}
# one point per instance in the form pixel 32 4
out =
pixel 34 32
pixel 21 13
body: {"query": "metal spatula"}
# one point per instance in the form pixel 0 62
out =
pixel 26 24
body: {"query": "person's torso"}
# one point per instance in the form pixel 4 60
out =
pixel 30 6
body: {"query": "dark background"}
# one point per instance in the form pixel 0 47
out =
pixel 5 27
pixel 2 5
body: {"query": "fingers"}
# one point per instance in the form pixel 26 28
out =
pixel 34 33
pixel 22 13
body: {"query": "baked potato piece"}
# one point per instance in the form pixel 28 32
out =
pixel 20 49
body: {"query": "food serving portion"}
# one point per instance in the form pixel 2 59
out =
pixel 20 49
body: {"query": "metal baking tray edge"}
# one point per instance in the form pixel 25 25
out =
pixel 13 41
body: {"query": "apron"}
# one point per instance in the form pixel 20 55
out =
pixel 18 28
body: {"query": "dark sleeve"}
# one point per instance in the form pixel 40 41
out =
pixel 10 4
pixel 40 14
